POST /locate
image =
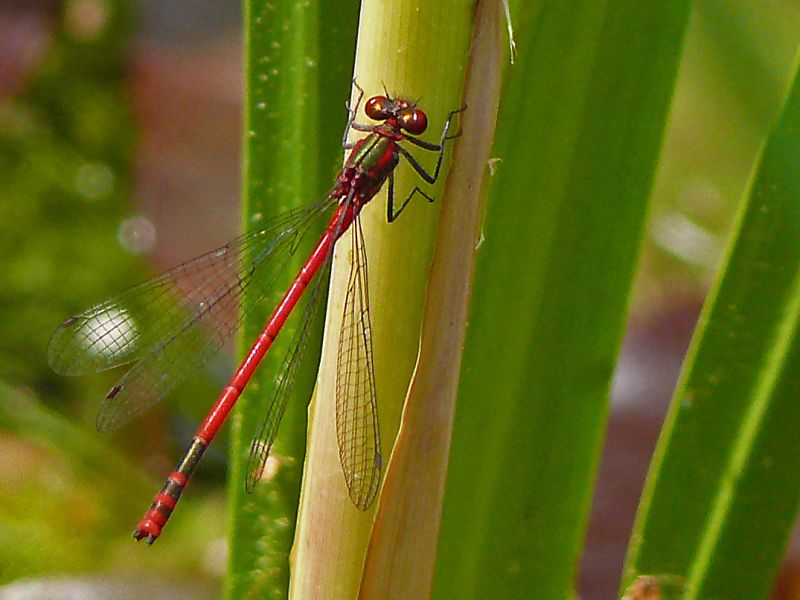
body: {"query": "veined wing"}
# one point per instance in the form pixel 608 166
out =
pixel 262 443
pixel 170 325
pixel 356 404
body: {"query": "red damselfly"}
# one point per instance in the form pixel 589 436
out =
pixel 169 326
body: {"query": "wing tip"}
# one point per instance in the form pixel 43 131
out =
pixel 107 420
pixel 259 453
pixel 58 357
pixel 363 491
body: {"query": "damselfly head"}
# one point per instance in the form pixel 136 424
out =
pixel 413 120
pixel 408 116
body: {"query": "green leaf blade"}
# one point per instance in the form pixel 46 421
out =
pixel 580 131
pixel 727 463
pixel 298 59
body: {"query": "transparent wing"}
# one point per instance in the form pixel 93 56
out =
pixel 169 326
pixel 356 408
pixel 262 443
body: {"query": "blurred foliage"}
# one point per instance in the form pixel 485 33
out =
pixel 737 60
pixel 65 155
pixel 67 142
pixel 49 496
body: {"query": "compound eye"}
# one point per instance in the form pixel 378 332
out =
pixel 414 121
pixel 378 108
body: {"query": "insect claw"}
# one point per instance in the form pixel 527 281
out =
pixel 139 534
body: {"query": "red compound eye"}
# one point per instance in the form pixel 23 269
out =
pixel 378 108
pixel 414 121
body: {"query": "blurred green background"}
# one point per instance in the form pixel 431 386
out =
pixel 119 145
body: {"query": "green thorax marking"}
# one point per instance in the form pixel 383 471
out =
pixel 373 156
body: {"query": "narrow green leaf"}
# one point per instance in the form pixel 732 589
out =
pixel 754 71
pixel 298 65
pixel 722 493
pixel 579 133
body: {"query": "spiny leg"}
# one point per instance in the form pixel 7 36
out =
pixel 431 178
pixel 391 214
pixel 352 112
pixel 351 119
